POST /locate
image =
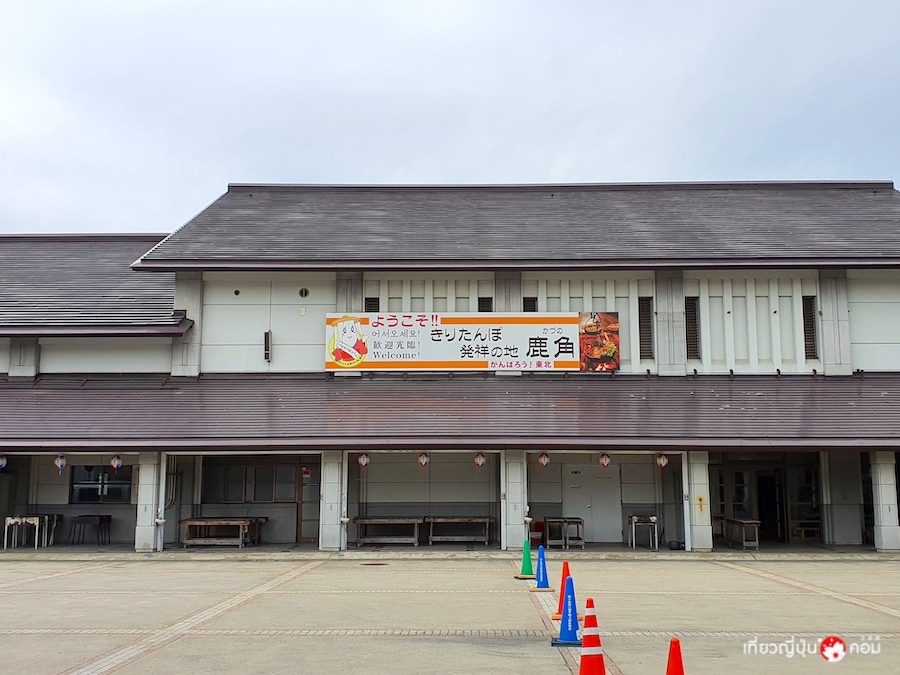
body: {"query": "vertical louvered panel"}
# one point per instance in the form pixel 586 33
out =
pixel 645 326
pixel 810 342
pixel 692 326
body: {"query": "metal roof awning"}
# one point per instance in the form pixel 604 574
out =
pixel 589 413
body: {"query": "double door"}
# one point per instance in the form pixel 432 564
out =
pixel 594 493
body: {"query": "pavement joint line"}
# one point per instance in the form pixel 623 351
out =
pixel 117 658
pixel 849 599
pixel 54 575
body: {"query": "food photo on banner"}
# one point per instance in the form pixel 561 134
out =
pixel 598 335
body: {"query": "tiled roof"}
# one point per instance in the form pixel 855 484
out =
pixel 582 412
pixel 643 225
pixel 81 284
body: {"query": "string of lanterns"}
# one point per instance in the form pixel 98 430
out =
pixel 424 459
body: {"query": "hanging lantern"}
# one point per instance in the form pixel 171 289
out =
pixel 116 462
pixel 544 459
pixel 424 459
pixel 2 462
pixel 604 460
pixel 59 463
pixel 480 460
pixel 363 460
pixel 662 460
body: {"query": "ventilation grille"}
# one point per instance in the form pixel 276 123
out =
pixel 373 304
pixel 692 326
pixel 645 327
pixel 485 304
pixel 809 327
pixel 529 303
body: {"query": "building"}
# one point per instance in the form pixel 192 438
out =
pixel 704 353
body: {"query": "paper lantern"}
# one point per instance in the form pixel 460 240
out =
pixel 116 462
pixel 363 460
pixel 424 459
pixel 2 462
pixel 480 460
pixel 59 463
pixel 604 460
pixel 544 459
pixel 662 460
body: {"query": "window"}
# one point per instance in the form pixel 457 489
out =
pixel 645 326
pixel 101 485
pixel 692 326
pixel 485 304
pixel 530 303
pixel 249 483
pixel 373 305
pixel 809 327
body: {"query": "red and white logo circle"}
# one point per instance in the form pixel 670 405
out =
pixel 833 649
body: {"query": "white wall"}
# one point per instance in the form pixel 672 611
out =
pixel 4 355
pixel 598 292
pixel 752 321
pixel 106 355
pixel 874 303
pixel 232 334
pixel 428 293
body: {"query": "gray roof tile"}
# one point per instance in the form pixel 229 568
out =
pixel 586 412
pixel 62 282
pixel 273 227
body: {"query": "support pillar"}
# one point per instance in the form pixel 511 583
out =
pixel 701 513
pixel 884 498
pixel 145 535
pixel 514 499
pixel 332 501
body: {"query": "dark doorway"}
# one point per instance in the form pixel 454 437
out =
pixel 768 493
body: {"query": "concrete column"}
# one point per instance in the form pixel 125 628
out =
pixel 332 501
pixel 186 349
pixel 842 497
pixel 701 513
pixel 145 537
pixel 24 357
pixel 514 494
pixel 835 342
pixel 508 292
pixel 349 292
pixel 671 358
pixel 884 497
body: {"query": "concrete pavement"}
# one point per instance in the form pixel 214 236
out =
pixel 384 614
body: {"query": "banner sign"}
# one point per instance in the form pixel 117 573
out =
pixel 483 341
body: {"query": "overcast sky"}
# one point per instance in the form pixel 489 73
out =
pixel 127 115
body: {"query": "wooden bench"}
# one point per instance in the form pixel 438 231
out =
pixel 743 532
pixel 364 536
pixel 482 533
pixel 196 531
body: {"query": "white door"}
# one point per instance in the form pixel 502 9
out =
pixel 595 494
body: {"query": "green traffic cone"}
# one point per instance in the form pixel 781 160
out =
pixel 527 570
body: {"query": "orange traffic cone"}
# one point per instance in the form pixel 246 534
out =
pixel 676 664
pixel 562 591
pixel 592 661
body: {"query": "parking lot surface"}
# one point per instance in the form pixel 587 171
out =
pixel 458 615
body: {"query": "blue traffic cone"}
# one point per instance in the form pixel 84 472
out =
pixel 568 627
pixel 543 581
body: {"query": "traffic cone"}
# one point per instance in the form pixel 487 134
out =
pixel 543 582
pixel 527 570
pixel 676 664
pixel 568 628
pixel 562 588
pixel 592 661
